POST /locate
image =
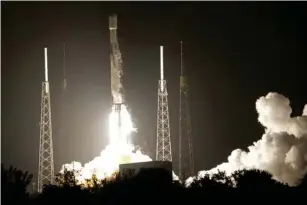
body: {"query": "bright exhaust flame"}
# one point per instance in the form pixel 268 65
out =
pixel 117 152
pixel 120 133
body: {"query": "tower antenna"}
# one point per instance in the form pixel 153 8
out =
pixel 186 153
pixel 45 164
pixel 163 148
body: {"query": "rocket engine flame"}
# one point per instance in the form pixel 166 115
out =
pixel 282 150
pixel 119 134
pixel 120 126
pixel 117 152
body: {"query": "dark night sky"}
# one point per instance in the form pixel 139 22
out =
pixel 234 53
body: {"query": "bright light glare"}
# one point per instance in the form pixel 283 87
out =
pixel 120 134
pixel 119 151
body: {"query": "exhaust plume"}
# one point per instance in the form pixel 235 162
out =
pixel 105 165
pixel 117 152
pixel 282 150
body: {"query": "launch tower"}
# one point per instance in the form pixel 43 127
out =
pixel 45 165
pixel 186 154
pixel 164 148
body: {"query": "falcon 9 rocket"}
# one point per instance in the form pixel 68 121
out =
pixel 116 82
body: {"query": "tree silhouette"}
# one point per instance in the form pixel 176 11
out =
pixel 256 180
pixel 14 184
pixel 67 179
pixel 303 184
pixel 216 181
pixel 119 190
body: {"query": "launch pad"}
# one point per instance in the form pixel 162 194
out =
pixel 152 170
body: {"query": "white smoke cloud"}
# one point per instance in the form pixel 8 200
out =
pixel 119 151
pixel 107 163
pixel 116 153
pixel 305 110
pixel 282 150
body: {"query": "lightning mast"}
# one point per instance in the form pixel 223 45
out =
pixel 186 154
pixel 46 164
pixel 164 148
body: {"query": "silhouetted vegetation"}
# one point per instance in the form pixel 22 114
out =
pixel 14 184
pixel 153 186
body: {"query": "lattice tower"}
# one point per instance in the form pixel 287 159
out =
pixel 164 147
pixel 46 164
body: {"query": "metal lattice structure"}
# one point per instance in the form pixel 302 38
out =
pixel 186 153
pixel 164 147
pixel 46 164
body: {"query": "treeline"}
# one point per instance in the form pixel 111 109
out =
pixel 152 186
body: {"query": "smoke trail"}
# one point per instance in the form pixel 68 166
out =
pixel 282 150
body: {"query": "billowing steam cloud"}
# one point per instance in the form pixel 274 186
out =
pixel 117 152
pixel 107 163
pixel 282 150
pixel 305 110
